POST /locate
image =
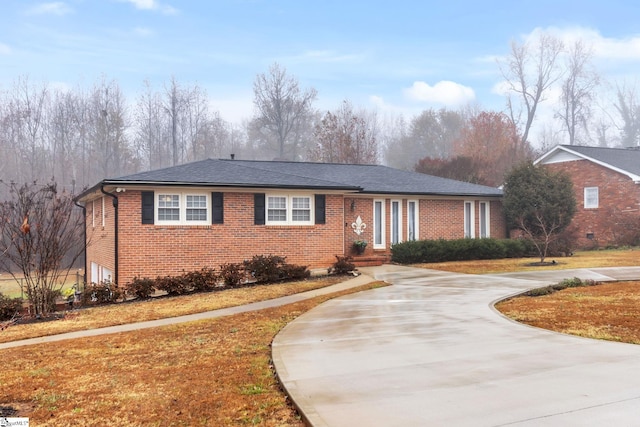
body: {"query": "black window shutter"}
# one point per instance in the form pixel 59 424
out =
pixel 217 208
pixel 147 207
pixel 258 209
pixel 320 208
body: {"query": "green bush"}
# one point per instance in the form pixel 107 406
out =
pixel 9 307
pixel 141 288
pixel 343 265
pixel 427 251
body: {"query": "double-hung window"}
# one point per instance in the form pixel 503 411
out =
pixel 484 220
pixel 289 210
pixel 591 198
pixel 196 207
pixel 182 208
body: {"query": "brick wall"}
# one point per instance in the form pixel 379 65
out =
pixel 148 250
pixel 100 234
pixel 619 203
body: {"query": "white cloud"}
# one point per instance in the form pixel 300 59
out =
pixel 604 48
pixel 152 5
pixel 5 49
pixel 444 92
pixel 53 8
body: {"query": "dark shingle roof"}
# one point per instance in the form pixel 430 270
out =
pixel 626 159
pixel 372 179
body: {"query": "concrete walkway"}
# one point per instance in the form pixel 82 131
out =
pixel 432 351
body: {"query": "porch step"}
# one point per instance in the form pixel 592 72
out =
pixel 369 260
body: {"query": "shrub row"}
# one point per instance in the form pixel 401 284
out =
pixel 258 270
pixel 425 251
pixel 566 283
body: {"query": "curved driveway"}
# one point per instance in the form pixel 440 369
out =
pixel 431 351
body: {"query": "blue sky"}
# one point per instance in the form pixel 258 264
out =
pixel 395 56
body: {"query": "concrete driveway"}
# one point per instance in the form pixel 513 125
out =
pixel 431 351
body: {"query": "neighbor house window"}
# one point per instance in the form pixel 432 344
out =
pixel 591 199
pixel 182 208
pixel 396 221
pixel 378 224
pixel 289 209
pixel 484 219
pixel 469 220
pixel 412 220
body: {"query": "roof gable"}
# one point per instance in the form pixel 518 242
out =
pixel 622 160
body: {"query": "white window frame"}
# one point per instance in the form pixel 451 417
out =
pixel 379 237
pixel 591 193
pixel 469 220
pixel 396 221
pixel 485 210
pixel 100 273
pixel 103 213
pixel 289 209
pixel 416 221
pixel 182 208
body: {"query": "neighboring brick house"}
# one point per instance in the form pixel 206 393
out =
pixel 607 188
pixel 207 213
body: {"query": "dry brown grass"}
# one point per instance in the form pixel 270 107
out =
pixel 210 373
pixel 585 259
pixel 159 308
pixel 609 311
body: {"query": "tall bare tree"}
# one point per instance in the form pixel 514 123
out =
pixel 281 109
pixel 577 90
pixel 346 136
pixel 529 70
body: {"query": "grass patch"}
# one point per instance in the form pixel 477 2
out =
pixel 210 372
pixel 583 259
pixel 608 311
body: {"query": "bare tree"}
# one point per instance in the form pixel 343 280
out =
pixel 40 240
pixel 281 108
pixel 530 70
pixel 577 90
pixel 109 123
pixel 346 137
pixel 629 111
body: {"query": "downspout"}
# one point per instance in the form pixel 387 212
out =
pixel 115 233
pixel 84 233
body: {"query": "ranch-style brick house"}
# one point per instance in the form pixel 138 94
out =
pixel 210 212
pixel 606 182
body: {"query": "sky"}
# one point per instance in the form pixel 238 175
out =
pixel 397 57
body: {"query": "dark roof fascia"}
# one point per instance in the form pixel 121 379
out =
pixel 386 193
pixel 226 185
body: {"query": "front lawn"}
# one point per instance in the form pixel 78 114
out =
pixel 210 372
